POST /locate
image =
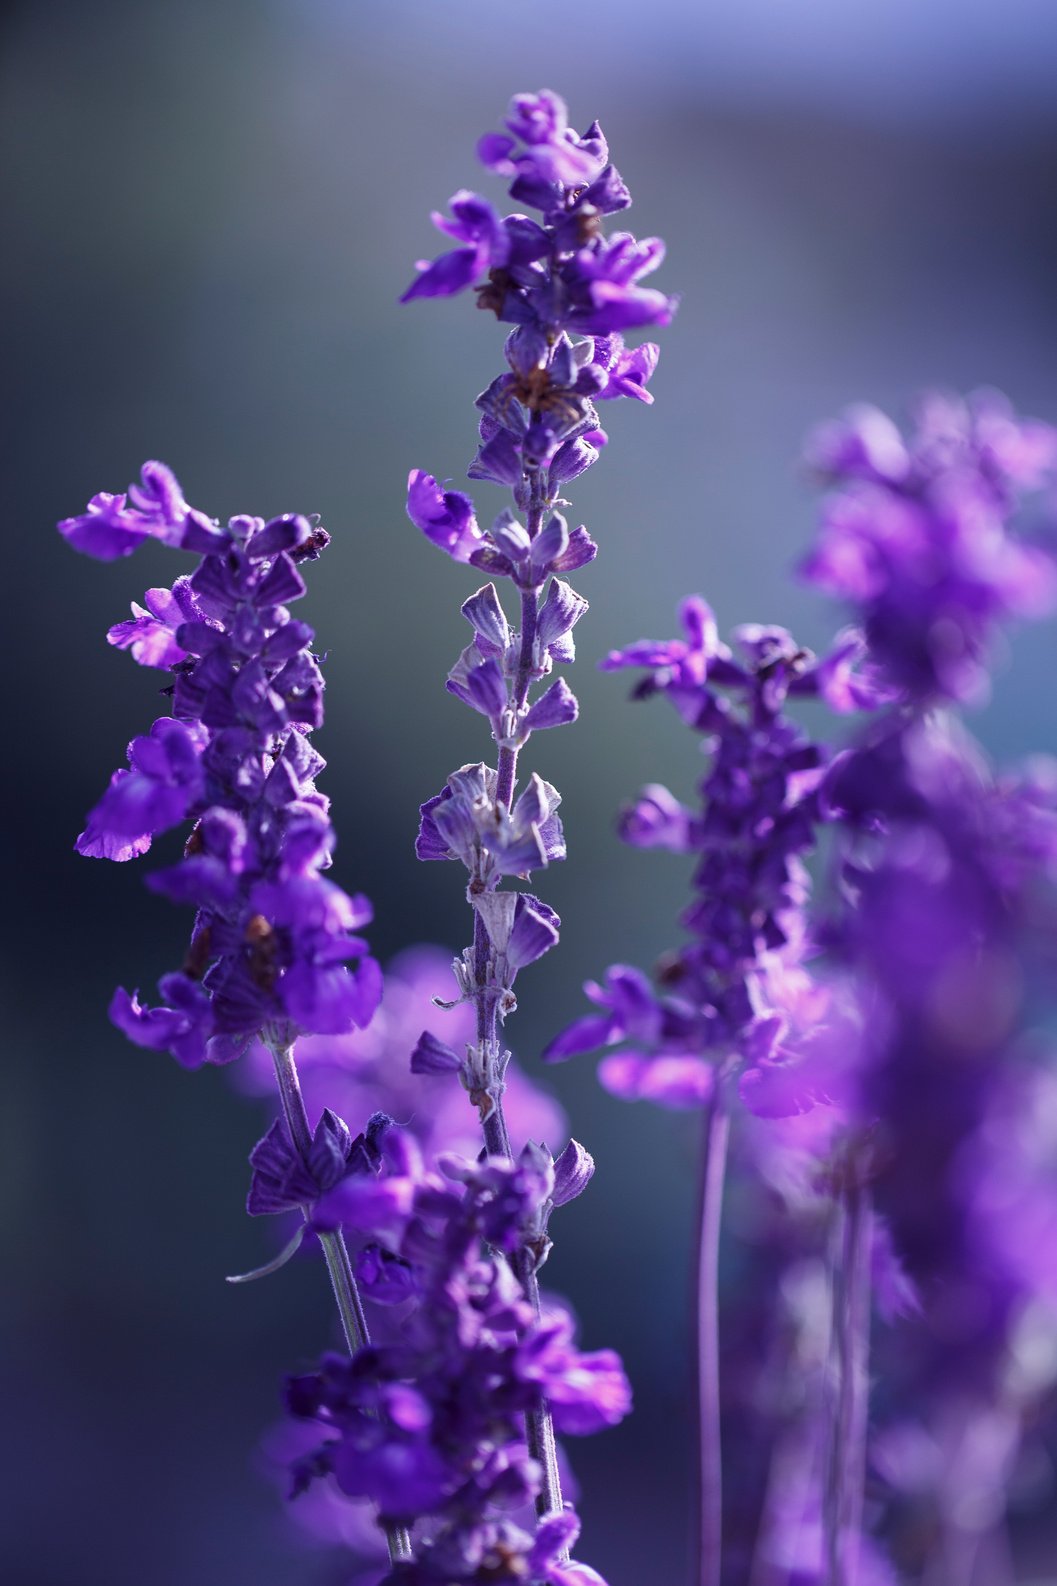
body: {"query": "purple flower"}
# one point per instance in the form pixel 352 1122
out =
pixel 917 537
pixel 736 990
pixel 487 246
pixel 185 1029
pixel 151 633
pixel 431 1424
pixel 113 526
pixel 164 782
pixel 603 285
pixel 626 371
pixel 553 155
pixel 463 822
pixel 551 281
pixel 274 944
pixel 586 1393
pixel 445 517
pixel 539 427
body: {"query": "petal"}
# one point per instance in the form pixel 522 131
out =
pixel 433 1056
pixel 450 273
pixel 555 708
pixel 573 1171
pixel 583 1035
pixel 677 1082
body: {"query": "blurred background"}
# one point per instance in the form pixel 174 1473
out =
pixel 210 210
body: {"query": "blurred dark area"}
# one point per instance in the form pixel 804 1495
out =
pixel 211 210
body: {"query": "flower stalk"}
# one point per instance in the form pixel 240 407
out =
pixel 710 1467
pixel 846 1475
pixel 335 1251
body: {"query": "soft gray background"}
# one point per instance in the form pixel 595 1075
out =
pixel 211 207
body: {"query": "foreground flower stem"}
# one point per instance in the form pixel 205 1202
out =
pixel 507 768
pixel 539 1427
pixel 713 1173
pixel 851 1338
pixel 335 1250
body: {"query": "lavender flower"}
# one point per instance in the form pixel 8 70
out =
pixel 554 281
pixel 538 429
pixel 274 949
pixel 739 989
pixel 945 885
pixel 569 292
pixel 917 535
pixel 112 526
pixel 430 1424
pixel 952 922
pixel 917 541
pixel 737 997
pixel 274 944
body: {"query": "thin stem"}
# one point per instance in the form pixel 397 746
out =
pixel 713 1173
pixel 335 1250
pixel 851 1337
pixel 508 757
pixel 539 1427
pixel 496 1137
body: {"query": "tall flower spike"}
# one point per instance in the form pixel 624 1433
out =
pixel 429 1425
pixel 735 1004
pixel 275 945
pixel 937 933
pixel 275 949
pixel 569 292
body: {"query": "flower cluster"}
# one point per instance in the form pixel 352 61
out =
pixel 738 989
pixel 916 535
pixel 942 914
pixel 430 1425
pixel 569 292
pixel 942 933
pixel 554 279
pixel 275 945
pixel 887 1034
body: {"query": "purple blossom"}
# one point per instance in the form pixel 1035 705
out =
pixel 430 1424
pixel 553 154
pixel 185 1028
pixel 487 246
pixel 150 634
pixel 552 281
pixel 917 536
pixel 463 822
pixel 737 989
pixel 164 781
pixel 445 517
pixel 274 944
pixel 113 526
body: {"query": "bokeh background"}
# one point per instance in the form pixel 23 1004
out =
pixel 211 207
